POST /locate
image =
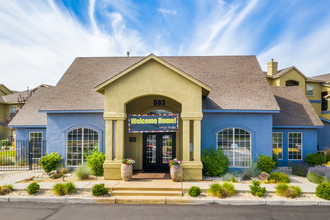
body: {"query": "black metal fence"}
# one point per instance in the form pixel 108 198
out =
pixel 22 155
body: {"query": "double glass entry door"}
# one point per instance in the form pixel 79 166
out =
pixel 158 149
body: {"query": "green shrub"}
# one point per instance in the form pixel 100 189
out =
pixel 57 175
pixel 256 189
pixel 216 190
pixel 215 162
pixel 82 172
pixel 265 163
pixel 300 169
pixel 194 191
pixel 99 190
pixel 226 190
pixel 33 188
pixel 251 172
pixel 5 142
pixel 315 159
pixel 50 162
pixel 323 191
pixel 279 177
pixel 282 189
pixel 275 159
pixel 10 186
pixel 95 160
pixel 69 188
pixel 59 189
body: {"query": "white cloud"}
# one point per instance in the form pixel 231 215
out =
pixel 38 42
pixel 166 11
pixel 310 54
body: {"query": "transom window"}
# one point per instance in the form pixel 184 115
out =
pixel 158 111
pixel 278 144
pixel 236 144
pixel 79 142
pixel 295 146
pixel 13 110
pixel 310 89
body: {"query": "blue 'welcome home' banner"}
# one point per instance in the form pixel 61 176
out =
pixel 153 123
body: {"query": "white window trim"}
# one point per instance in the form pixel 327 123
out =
pixel 36 132
pixel 312 89
pixel 82 145
pixel 282 143
pixel 302 149
pixel 234 143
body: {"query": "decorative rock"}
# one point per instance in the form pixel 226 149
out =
pixel 52 173
pixel 263 176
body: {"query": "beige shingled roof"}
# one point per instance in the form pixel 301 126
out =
pixel 323 77
pixel 29 114
pixel 13 98
pixel 296 110
pixel 237 82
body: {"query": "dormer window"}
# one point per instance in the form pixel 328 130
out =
pixel 291 83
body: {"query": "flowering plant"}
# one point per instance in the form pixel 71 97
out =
pixel 128 161
pixel 174 162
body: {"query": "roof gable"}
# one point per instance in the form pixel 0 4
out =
pixel 100 88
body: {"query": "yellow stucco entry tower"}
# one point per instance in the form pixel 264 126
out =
pixel 133 91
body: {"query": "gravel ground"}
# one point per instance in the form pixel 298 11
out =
pixel 271 196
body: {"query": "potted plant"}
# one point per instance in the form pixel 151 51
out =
pixel 127 169
pixel 176 170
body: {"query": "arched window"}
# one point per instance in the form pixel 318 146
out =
pixel 236 144
pixel 158 111
pixel 79 141
pixel 291 83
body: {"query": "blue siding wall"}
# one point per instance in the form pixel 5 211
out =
pixel 323 135
pixel 23 133
pixel 259 125
pixel 309 144
pixel 59 124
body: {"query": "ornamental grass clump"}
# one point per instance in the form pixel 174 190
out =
pixel 61 189
pixel 215 162
pixel 99 190
pixel 194 191
pixel 251 172
pixel 316 174
pixel 6 189
pixel 33 188
pixel 229 177
pixel 279 177
pixel 256 189
pixel 282 189
pixel 82 172
pixel 222 191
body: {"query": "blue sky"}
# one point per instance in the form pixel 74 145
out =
pixel 39 39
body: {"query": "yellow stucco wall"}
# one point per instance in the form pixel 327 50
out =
pixel 293 75
pixel 5 112
pixel 133 93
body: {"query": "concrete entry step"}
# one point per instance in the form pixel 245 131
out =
pixel 146 193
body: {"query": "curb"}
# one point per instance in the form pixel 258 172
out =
pixel 170 201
